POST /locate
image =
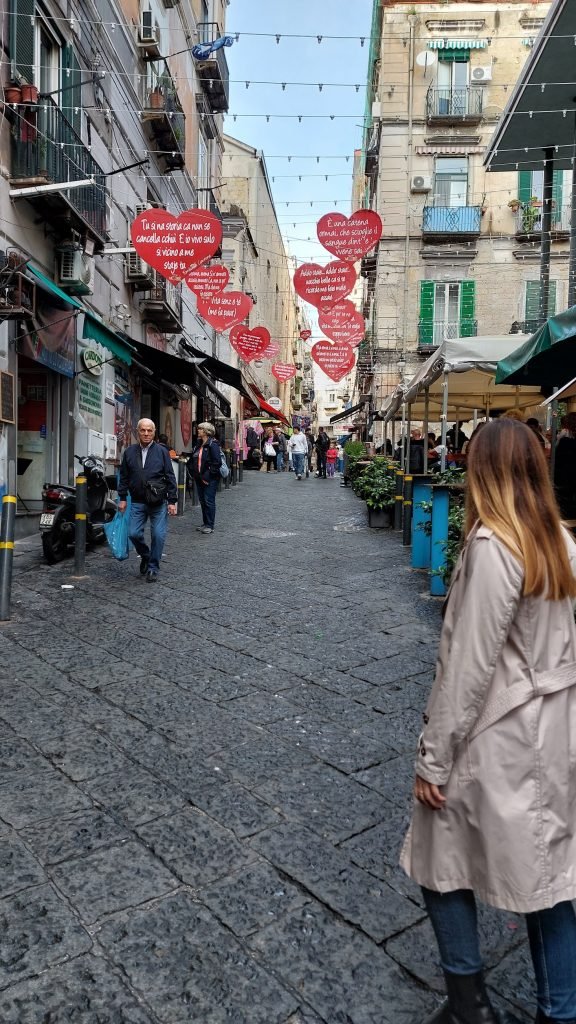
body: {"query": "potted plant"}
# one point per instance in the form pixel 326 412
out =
pixel 29 93
pixel 377 488
pixel 156 98
pixel 12 94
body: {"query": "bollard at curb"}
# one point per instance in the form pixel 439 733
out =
pixel 240 470
pixel 234 468
pixel 80 525
pixel 407 527
pixel 399 498
pixel 182 463
pixel 6 553
pixel 228 480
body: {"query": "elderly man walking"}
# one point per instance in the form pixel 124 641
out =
pixel 146 474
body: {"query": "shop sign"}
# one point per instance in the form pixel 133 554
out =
pixel 275 402
pixel 109 391
pixel 92 361
pixel 89 396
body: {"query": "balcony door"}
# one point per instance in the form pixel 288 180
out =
pixel 446 311
pixel 453 87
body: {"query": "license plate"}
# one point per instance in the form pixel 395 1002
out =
pixel 46 519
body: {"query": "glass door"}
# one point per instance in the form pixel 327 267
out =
pixel 446 311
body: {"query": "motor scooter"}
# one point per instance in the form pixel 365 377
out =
pixel 57 519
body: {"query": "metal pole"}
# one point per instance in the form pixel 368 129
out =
pixel 572 260
pixel 426 425
pixel 398 499
pixel 553 437
pixel 408 438
pixel 182 463
pixel 403 439
pixel 234 468
pixel 393 432
pixel 228 480
pixel 80 525
pixel 444 419
pixel 407 528
pixel 6 553
pixel 545 244
pixel 240 470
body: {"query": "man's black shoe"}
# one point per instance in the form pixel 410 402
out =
pixel 151 576
pixel 143 566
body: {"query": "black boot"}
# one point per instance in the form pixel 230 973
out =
pixel 467 1003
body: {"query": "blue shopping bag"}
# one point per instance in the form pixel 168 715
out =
pixel 117 533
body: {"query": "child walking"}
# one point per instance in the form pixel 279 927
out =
pixel 331 457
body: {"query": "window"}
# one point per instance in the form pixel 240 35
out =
pixel 332 397
pixel 451 181
pixel 531 195
pixel 203 170
pixel 532 304
pixel 447 310
pixel 453 72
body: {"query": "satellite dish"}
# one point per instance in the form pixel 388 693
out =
pixel 426 59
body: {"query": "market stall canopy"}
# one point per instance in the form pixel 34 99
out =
pixel 540 112
pixel 568 391
pixel 547 358
pixel 471 362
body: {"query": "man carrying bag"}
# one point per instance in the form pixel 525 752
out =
pixel 146 474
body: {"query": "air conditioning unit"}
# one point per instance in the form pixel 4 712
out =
pixel 149 34
pixel 137 272
pixel 141 208
pixel 421 183
pixel 376 108
pixel 483 73
pixel 75 271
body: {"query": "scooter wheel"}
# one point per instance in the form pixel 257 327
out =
pixel 54 547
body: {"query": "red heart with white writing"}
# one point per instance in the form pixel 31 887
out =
pixel 305 335
pixel 343 324
pixel 174 245
pixel 249 343
pixel 335 360
pixel 324 286
pixel 349 238
pixel 283 371
pixel 272 350
pixel 208 281
pixel 225 309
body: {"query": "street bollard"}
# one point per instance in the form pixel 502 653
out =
pixel 399 498
pixel 234 468
pixel 6 553
pixel 80 525
pixel 228 480
pixel 240 470
pixel 407 527
pixel 182 463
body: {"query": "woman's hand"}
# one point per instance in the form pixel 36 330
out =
pixel 428 794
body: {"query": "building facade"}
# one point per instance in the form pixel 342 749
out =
pixel 460 250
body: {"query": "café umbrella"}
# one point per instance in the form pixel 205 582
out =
pixel 548 357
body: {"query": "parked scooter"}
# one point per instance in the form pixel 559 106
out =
pixel 57 519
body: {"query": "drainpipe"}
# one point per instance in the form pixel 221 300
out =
pixel 545 245
pixel 411 55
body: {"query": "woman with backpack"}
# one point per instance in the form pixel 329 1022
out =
pixel 205 463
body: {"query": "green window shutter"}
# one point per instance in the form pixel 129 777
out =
pixel 467 309
pixel 22 39
pixel 71 88
pixel 552 299
pixel 524 186
pixel 557 195
pixel 533 299
pixel 426 329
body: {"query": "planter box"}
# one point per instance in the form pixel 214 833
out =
pixel 383 519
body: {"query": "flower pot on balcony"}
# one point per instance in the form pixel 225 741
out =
pixel 29 94
pixel 13 94
pixel 156 99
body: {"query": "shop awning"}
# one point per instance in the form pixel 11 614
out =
pixel 347 412
pixel 217 369
pixel 547 358
pixel 179 371
pixel 50 286
pixel 275 413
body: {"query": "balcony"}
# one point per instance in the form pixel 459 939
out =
pixel 213 69
pixel 46 148
pixel 431 333
pixel 451 221
pixel 527 326
pixel 454 106
pixel 529 221
pixel 162 305
pixel 164 120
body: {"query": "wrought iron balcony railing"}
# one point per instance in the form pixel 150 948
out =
pixel 46 148
pixel 164 119
pixel 213 69
pixel 529 219
pixel 432 333
pixel 455 104
pixel 451 220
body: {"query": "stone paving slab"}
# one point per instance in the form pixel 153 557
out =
pixel 37 931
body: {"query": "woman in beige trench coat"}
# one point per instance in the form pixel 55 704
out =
pixel 495 792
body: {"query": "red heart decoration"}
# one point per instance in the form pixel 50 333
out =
pixel 249 344
pixel 349 238
pixel 272 350
pixel 173 245
pixel 208 281
pixel 305 335
pixel 283 371
pixel 324 286
pixel 335 360
pixel 225 309
pixel 343 324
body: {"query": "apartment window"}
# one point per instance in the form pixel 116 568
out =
pixel 531 195
pixel 532 304
pixel 453 78
pixel 332 397
pixel 447 310
pixel 451 181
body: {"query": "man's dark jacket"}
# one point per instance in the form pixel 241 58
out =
pixel 158 467
pixel 322 443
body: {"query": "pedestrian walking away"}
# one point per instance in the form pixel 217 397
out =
pixel 331 459
pixel 146 474
pixel 495 793
pixel 206 460
pixel 322 445
pixel 298 448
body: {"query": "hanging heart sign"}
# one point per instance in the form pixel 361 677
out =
pixel 343 324
pixel 208 281
pixel 283 371
pixel 249 343
pixel 225 309
pixel 304 335
pixel 174 245
pixel 335 360
pixel 349 238
pixel 272 350
pixel 324 286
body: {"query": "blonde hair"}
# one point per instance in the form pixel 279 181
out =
pixel 513 414
pixel 509 491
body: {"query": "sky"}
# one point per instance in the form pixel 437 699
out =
pixel 261 59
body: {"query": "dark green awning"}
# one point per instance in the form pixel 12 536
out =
pixel 50 286
pixel 96 330
pixel 547 359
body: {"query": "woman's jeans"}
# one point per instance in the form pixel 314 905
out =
pixel 280 461
pixel 552 937
pixel 298 462
pixel 158 516
pixel 207 499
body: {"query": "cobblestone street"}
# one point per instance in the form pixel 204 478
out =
pixel 205 783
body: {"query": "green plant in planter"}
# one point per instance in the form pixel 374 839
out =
pixel 375 487
pixel 354 451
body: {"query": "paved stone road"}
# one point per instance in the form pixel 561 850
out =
pixel 204 784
